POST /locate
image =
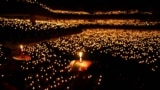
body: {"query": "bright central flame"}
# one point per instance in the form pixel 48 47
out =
pixel 21 46
pixel 80 56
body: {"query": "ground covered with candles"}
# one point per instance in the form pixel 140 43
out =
pixel 124 59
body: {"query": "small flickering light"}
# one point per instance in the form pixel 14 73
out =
pixel 80 56
pixel 21 47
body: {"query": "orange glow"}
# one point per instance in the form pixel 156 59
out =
pixel 22 57
pixel 21 47
pixel 80 56
pixel 80 66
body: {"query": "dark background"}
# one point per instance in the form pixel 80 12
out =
pixel 101 4
pixel 94 4
pixel 21 6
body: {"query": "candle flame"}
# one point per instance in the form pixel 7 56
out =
pixel 80 54
pixel 21 46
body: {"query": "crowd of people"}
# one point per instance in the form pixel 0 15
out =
pixel 121 58
pixel 140 47
pixel 115 53
pixel 20 29
pixel 24 28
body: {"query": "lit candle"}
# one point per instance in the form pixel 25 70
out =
pixel 21 47
pixel 80 56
